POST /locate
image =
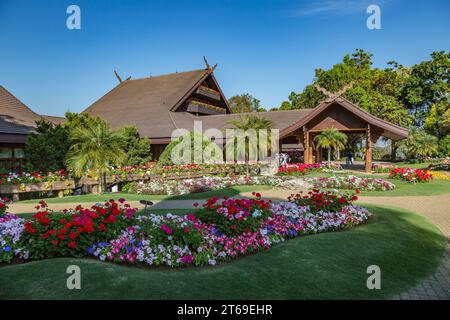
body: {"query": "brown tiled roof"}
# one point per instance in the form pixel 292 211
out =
pixel 53 119
pixel 390 130
pixel 147 102
pixel 15 117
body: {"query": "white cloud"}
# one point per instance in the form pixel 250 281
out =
pixel 334 7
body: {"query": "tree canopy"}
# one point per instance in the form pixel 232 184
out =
pixel 245 103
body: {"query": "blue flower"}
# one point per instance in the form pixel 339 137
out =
pixel 7 248
pixel 90 250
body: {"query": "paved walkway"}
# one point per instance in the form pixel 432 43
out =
pixel 435 208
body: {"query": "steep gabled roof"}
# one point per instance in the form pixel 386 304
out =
pixel 391 130
pixel 149 103
pixel 15 117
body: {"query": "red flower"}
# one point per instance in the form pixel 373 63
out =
pixel 357 191
pixel 72 244
pixel 73 235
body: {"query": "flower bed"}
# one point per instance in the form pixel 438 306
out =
pixel 195 185
pixel 223 229
pixel 69 233
pixel 440 176
pixel 441 166
pixel 32 177
pixel 351 183
pixel 186 240
pixel 300 169
pixel 411 175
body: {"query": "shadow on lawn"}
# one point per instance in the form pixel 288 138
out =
pixel 331 265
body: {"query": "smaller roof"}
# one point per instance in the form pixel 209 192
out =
pixel 16 117
pixel 390 130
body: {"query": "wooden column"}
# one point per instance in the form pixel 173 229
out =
pixel 311 150
pixel 368 150
pixel 306 147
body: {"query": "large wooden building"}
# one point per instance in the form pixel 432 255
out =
pixel 161 104
pixel 17 121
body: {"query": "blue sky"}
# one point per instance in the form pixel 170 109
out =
pixel 267 47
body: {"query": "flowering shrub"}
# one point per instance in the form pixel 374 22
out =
pixel 70 233
pixel 138 244
pixel 298 169
pixel 3 206
pixel 185 186
pixel 411 175
pixel 11 229
pixel 235 216
pixel 32 177
pixel 352 183
pixel 317 200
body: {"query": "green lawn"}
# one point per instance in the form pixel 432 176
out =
pixel 93 198
pixel 406 246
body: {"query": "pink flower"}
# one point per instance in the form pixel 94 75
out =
pixel 166 229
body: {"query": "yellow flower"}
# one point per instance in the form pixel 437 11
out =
pixel 440 176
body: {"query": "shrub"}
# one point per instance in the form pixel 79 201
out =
pixel 69 233
pixel 411 175
pixel 235 216
pixel 165 158
pixel 328 201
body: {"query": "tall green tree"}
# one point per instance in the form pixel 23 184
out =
pixel 426 84
pixel 420 144
pixel 329 139
pixel 375 90
pixel 245 103
pixel 207 146
pixel 251 147
pixel 138 149
pixel 95 148
pixel 46 149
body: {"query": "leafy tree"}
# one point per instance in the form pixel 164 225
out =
pixel 376 91
pixel 331 138
pixel 77 120
pixel 245 103
pixel 138 149
pixel 247 123
pixel 437 122
pixel 46 149
pixel 95 148
pixel 212 148
pixel 420 144
pixel 444 146
pixel 426 83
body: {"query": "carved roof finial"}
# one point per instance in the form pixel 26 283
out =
pixel 334 95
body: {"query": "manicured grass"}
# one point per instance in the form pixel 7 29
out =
pixel 93 198
pixel 404 245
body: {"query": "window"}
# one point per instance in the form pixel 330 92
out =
pixel 5 153
pixel 19 153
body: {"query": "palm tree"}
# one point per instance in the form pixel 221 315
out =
pixel 94 148
pixel 420 143
pixel 247 123
pixel 331 138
